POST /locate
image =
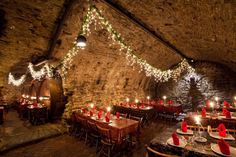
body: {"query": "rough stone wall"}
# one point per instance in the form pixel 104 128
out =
pixel 100 73
pixel 208 81
pixel 26 27
pixel 201 29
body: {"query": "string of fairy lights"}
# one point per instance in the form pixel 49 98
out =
pixel 45 71
pixel 95 17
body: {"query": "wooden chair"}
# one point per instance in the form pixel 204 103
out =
pixel 125 115
pixel 107 143
pixel 154 153
pixel 135 135
pixel 84 128
pixel 93 133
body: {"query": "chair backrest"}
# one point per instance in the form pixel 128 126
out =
pixel 153 153
pixel 82 121
pixel 139 119
pixel 124 115
pixel 92 126
pixel 104 132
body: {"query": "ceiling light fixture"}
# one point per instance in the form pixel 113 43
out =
pixel 81 41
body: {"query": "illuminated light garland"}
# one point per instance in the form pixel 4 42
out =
pixel 66 62
pixel 160 76
pixel 13 81
pixel 44 71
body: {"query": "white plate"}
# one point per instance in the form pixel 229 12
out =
pixel 189 132
pixel 216 135
pixel 200 139
pixel 215 148
pixel 182 143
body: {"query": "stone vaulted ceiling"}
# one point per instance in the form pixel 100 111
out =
pixel 199 29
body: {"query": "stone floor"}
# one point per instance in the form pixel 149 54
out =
pixel 67 146
pixel 15 132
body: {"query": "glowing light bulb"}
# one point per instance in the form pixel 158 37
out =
pixel 127 99
pixel 164 97
pixel 91 105
pixel 136 101
pixel 148 97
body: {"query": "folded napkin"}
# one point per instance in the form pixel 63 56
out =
pixel 99 115
pixel 175 138
pixel 208 104
pixel 226 104
pixel 84 110
pixel 35 104
pixel 142 105
pixel 222 130
pixel 203 112
pixel 227 114
pixel 91 113
pixel 184 127
pixel 107 119
pixel 161 102
pixel 224 111
pixel 118 115
pixel 224 146
pixel 101 110
pixel 108 114
pixel 170 102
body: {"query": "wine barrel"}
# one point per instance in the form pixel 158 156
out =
pixel 52 90
pixel 33 89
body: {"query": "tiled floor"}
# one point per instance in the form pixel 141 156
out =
pixel 67 146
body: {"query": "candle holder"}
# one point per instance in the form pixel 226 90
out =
pixel 199 137
pixel 164 97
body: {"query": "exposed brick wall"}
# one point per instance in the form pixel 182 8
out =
pixel 208 81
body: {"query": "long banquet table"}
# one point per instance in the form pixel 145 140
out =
pixel 120 128
pixel 191 149
pixel 146 111
pixel 213 121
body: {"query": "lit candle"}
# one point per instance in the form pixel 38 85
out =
pixel 216 99
pixel 108 109
pixel 164 97
pixel 33 97
pixel 41 98
pixel 197 120
pixel 235 98
pixel 27 96
pixel 212 104
pixel 127 100
pixel 91 105
pixel 23 95
pixel 136 101
pixel 148 97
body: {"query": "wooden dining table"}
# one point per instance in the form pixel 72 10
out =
pixel 192 149
pixel 212 119
pixel 119 128
pixel 146 111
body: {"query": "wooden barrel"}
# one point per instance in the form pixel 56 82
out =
pixel 52 90
pixel 33 89
pixel 44 96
